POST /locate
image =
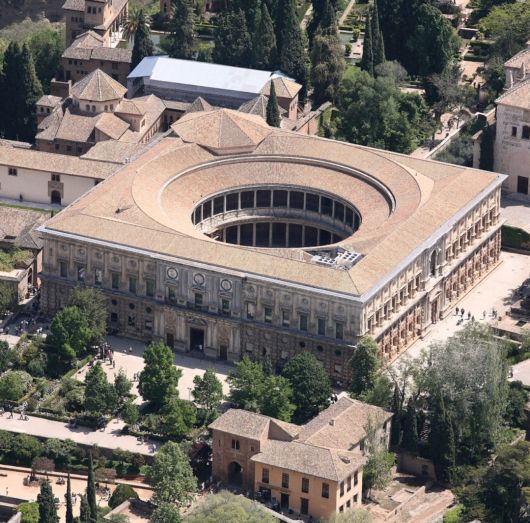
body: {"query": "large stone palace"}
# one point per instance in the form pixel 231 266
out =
pixel 232 238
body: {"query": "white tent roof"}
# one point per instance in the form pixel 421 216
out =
pixel 189 72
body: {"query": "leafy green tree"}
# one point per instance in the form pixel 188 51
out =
pixel 367 59
pixel 14 384
pixel 182 34
pixel 5 356
pixel 25 448
pixel 273 111
pixel 143 45
pixel 171 476
pixel 46 501
pixel 377 472
pixel 232 40
pixel 264 51
pixel 61 451
pixel 291 45
pixel 122 386
pixel 311 386
pixel 365 366
pixel 122 493
pixel 395 431
pixel 515 414
pixel 410 428
pixel 378 46
pixel 20 89
pixel 177 417
pixel 433 43
pixel 380 394
pixel 159 379
pixel 84 510
pixel 29 511
pixel 8 296
pixel 69 512
pixel 47 47
pixel 100 396
pixel 208 390
pixel 69 336
pixel 246 385
pixel 91 493
pixel 166 513
pixel 442 441
pixel 276 401
pixel 226 506
pixel 130 413
pixel 93 305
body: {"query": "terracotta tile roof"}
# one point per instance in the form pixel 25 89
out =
pixel 98 87
pixel 112 151
pixel 21 224
pixel 199 104
pixel 128 107
pixel 325 463
pixel 242 423
pixel 153 108
pixel 257 106
pixel 520 59
pixel 111 125
pixel 517 96
pixel 285 88
pixel 76 127
pixel 222 129
pixel 89 46
pixel 341 425
pixel 74 5
pixel 49 100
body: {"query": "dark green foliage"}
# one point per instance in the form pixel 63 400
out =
pixel 365 365
pixel 84 510
pixel 410 428
pixel 311 386
pixel 122 493
pixel 166 513
pixel 182 35
pixel 47 47
pixel 24 448
pixel 378 46
pixel 515 410
pixel 91 493
pixel 208 390
pixel 273 111
pixel 291 45
pixel 442 441
pixel 93 305
pixel 159 379
pixel 5 356
pixel 46 501
pixel 100 396
pixel 143 45
pixel 264 51
pixel 178 417
pixel 29 511
pixel 486 149
pixel 458 152
pixel 20 90
pixel 69 511
pixel 367 59
pixel 395 431
pixel 232 40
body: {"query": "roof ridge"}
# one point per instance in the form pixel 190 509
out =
pixel 519 54
pixel 514 88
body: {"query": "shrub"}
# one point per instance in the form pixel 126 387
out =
pixel 30 512
pixel 14 384
pixel 25 448
pixel 121 493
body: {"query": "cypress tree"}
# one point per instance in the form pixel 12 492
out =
pixel 395 432
pixel 91 492
pixel 265 53
pixel 486 160
pixel 182 37
pixel 143 45
pixel 290 41
pixel 378 46
pixel 442 441
pixel 232 41
pixel 410 429
pixel 69 511
pixel 46 501
pixel 367 60
pixel 273 112
pixel 84 511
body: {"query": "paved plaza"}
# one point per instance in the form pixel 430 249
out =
pixel 493 292
pixel 11 484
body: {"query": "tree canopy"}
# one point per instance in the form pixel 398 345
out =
pixel 365 365
pixel 47 507
pixel 208 390
pixel 143 45
pixel 93 305
pixel 182 34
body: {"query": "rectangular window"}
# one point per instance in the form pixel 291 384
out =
pixel 56 177
pixel 148 325
pixel 526 133
pixel 305 485
pixel 131 321
pixel 12 171
pixel 265 475
pixel 286 319
pixel 355 479
pixel 98 276
pixel 171 294
pixel 225 307
pixel 81 270
pixel 267 315
pixel 198 300
pixel 348 483
pixel 285 480
pixel 132 284
pixel 251 310
pixel 149 287
pixel 303 322
pixel 514 131
pixel 115 277
pixel 235 444
pixel 114 317
pixel 321 330
pixel 339 331
pixel 325 490
pixel 63 269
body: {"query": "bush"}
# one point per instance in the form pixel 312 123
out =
pixel 14 384
pixel 453 515
pixel 121 493
pixel 515 237
pixel 25 448
pixel 30 512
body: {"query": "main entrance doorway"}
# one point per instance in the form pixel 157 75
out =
pixel 522 184
pixel 223 352
pixel 235 474
pixel 284 500
pixel 196 340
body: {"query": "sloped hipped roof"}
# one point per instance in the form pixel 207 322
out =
pixel 214 76
pixel 222 129
pixel 98 87
pixel 21 224
pixel 517 96
pixel 284 87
